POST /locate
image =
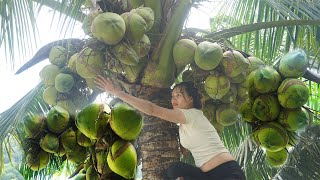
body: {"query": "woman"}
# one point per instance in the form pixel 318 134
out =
pixel 212 159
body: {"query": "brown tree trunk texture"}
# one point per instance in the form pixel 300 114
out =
pixel 158 141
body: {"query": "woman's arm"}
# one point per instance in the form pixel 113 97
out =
pixel 147 107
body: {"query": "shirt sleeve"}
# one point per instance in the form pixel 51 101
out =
pixel 189 115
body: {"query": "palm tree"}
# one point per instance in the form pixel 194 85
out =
pixel 265 29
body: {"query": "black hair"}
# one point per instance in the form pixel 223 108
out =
pixel 192 91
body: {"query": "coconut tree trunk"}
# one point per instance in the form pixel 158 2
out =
pixel 158 141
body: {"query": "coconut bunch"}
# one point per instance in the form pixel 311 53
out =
pixel 220 76
pixel 63 85
pixel 275 105
pixel 98 137
pixel 125 38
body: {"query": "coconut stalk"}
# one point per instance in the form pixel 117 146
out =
pixel 160 70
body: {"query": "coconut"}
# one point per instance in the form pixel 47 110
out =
pixel 87 22
pixel 57 119
pixel 48 74
pixel 49 143
pixel 254 137
pixel 50 95
pixel 208 55
pixel 147 14
pixel 240 78
pixel 252 91
pixel 293 64
pixel 126 54
pixel 125 121
pixel 102 164
pixel 122 159
pixel 80 176
pixel 217 86
pixel 277 158
pixel 233 63
pixel 293 119
pixel 266 80
pixel 61 151
pixel 67 105
pixel 183 52
pixel 293 93
pixel 231 95
pixel 266 107
pixel 227 115
pixel 68 140
pixel 92 120
pixel 108 27
pixel 83 140
pixel 246 111
pixel 132 72
pixel 37 161
pixel 254 64
pixel 58 56
pixel 33 125
pixel 142 47
pixel 242 92
pixel 72 62
pixel 78 155
pixel 90 63
pixel 136 26
pixel 64 82
pixel 273 136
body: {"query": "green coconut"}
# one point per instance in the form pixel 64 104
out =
pixel 61 151
pixel 132 72
pixel 240 78
pixel 254 64
pixel 92 120
pixel 64 82
pixel 33 125
pixel 48 74
pixel 125 121
pixel 266 107
pixel 78 155
pixel 293 93
pixel 227 115
pixel 273 137
pixel 252 91
pixel 49 143
pixel 50 95
pixel 58 56
pixel 72 62
pixel 68 140
pixel 108 27
pixel 233 63
pixel 67 105
pixel 254 137
pixel 57 119
pixel 80 176
pixel 37 161
pixel 246 111
pixel 208 55
pixel 90 63
pixel 266 79
pixel 231 95
pixel 83 140
pixel 293 64
pixel 126 54
pixel 87 22
pixel 122 159
pixel 217 86
pixel 136 26
pixel 91 173
pixel 242 92
pixel 293 119
pixel 142 47
pixel 147 14
pixel 277 158
pixel 183 52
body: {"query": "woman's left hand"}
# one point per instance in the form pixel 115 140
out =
pixel 107 85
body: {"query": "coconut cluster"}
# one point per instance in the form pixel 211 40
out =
pixel 237 87
pixel 275 105
pixel 98 137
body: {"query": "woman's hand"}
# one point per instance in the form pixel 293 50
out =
pixel 105 84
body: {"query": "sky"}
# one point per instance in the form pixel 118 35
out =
pixel 14 87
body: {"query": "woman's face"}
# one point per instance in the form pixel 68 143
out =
pixel 180 99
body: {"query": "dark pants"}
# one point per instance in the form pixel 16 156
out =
pixel 226 171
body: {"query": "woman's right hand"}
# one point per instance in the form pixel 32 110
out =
pixel 105 84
